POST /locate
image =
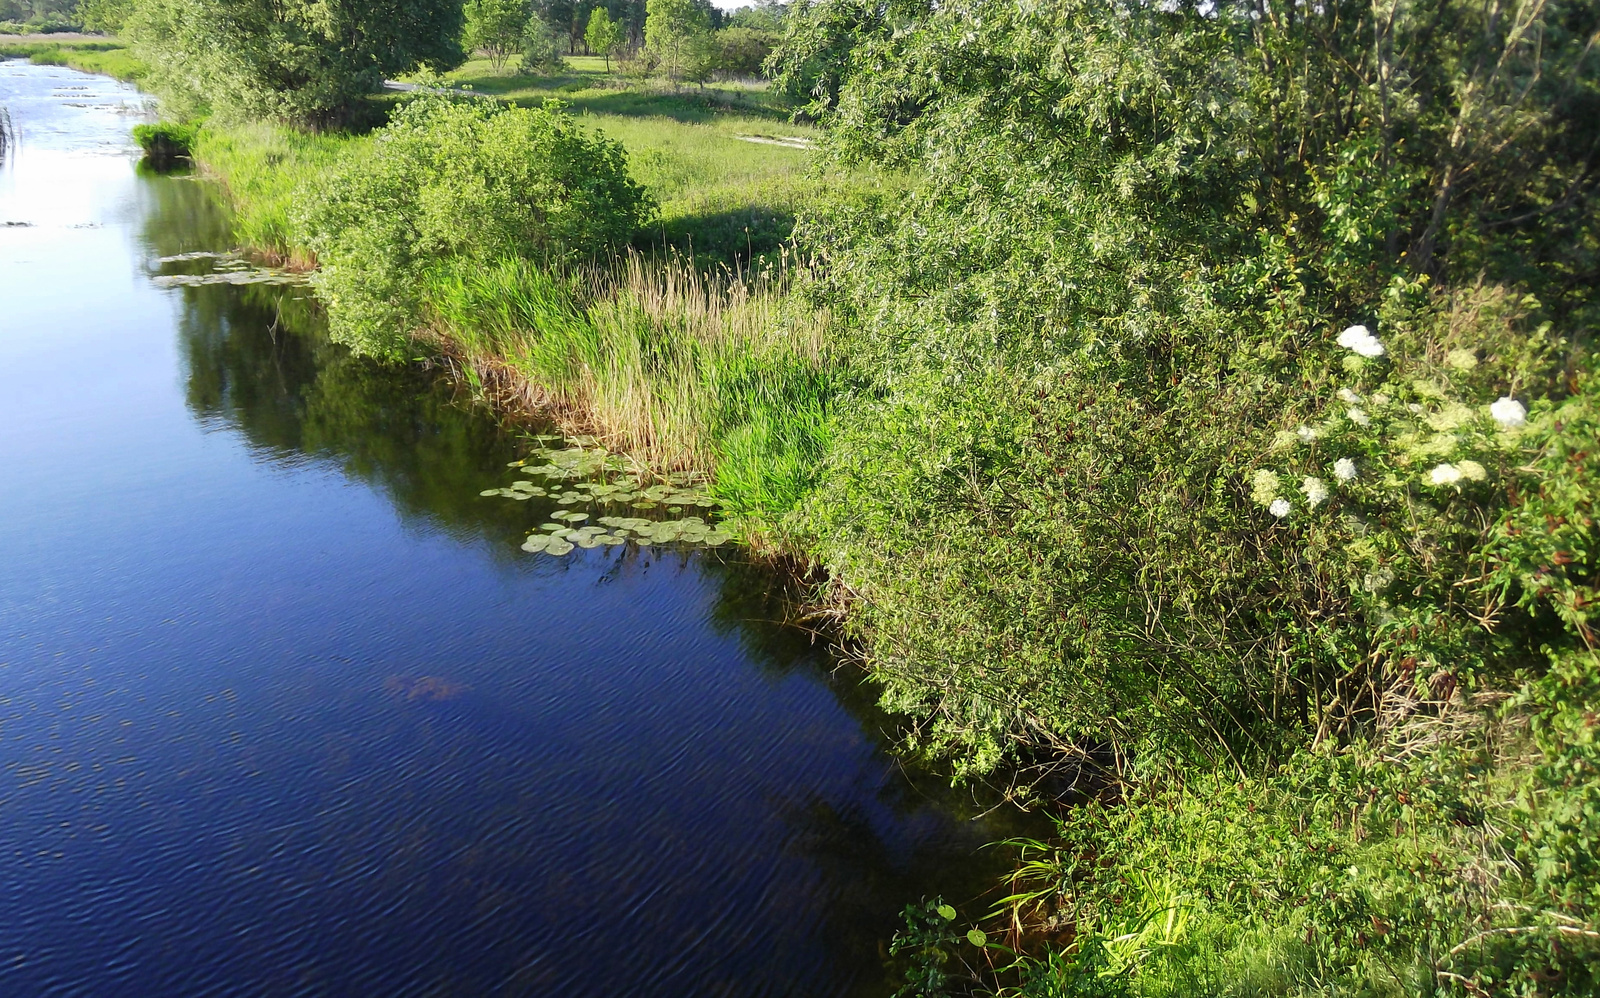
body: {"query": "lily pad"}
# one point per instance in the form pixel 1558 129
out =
pixel 646 504
pixel 558 547
pixel 608 539
pixel 536 543
pixel 585 541
pixel 576 517
pixel 489 492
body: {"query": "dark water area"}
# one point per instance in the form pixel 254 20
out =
pixel 284 710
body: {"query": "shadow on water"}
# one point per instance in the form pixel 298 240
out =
pixel 256 363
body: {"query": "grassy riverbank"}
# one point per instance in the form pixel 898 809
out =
pixel 687 349
pixel 108 57
pixel 1236 466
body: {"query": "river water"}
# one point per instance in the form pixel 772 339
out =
pixel 285 710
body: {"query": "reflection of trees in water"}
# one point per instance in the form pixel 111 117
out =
pixel 257 362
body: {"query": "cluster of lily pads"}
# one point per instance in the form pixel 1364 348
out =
pixel 583 473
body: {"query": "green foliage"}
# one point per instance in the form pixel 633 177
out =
pixel 1100 305
pixel 267 170
pixel 541 49
pixel 743 51
pixel 303 61
pixel 1418 873
pixel 674 33
pixel 460 179
pixel 109 58
pixel 602 35
pixel 165 141
pixel 496 27
pixel 935 949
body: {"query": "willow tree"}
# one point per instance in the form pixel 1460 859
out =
pixel 309 61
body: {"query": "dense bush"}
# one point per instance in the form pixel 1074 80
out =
pixel 450 179
pixel 1137 237
pixel 310 61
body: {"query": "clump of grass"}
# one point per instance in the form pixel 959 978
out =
pixel 165 141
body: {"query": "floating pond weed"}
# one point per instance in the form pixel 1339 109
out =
pixel 583 473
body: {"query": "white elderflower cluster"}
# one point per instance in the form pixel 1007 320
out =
pixel 1349 396
pixel 1445 474
pixel 1316 491
pixel 1264 487
pixel 1279 508
pixel 1306 434
pixel 1359 339
pixel 1358 416
pixel 1344 470
pixel 1508 412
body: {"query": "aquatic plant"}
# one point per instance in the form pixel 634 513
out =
pixel 600 479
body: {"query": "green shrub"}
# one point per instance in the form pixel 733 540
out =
pixel 460 178
pixel 1118 279
pixel 165 141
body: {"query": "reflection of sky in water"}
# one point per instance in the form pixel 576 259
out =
pixel 283 709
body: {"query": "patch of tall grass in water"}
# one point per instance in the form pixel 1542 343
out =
pixel 675 366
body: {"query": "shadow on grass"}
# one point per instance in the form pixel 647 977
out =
pixel 597 93
pixel 731 236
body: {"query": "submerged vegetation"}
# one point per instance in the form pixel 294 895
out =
pixel 1197 399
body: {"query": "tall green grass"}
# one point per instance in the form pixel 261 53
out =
pixel 264 168
pixel 110 58
pixel 677 367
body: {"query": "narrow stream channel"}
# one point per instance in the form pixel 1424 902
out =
pixel 284 710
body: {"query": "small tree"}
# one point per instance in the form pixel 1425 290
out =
pixel 672 30
pixel 602 34
pixel 496 27
pixel 541 49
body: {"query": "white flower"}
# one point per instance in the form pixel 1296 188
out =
pixel 1414 407
pixel 1346 395
pixel 1344 470
pixel 1279 508
pixel 1306 434
pixel 1380 399
pixel 1461 360
pixel 1315 489
pixel 1358 416
pixel 1359 339
pixel 1472 470
pixel 1445 474
pixel 1264 486
pixel 1508 412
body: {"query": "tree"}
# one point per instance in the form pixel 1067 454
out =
pixel 743 51
pixel 602 34
pixel 310 61
pixel 496 27
pixel 541 48
pixel 672 30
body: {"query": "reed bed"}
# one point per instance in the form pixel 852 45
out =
pixel 722 372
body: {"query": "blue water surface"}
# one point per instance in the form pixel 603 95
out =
pixel 285 711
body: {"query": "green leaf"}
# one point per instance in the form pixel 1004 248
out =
pixel 946 912
pixel 977 937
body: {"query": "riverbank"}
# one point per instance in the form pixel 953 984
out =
pixel 99 54
pixel 1289 544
